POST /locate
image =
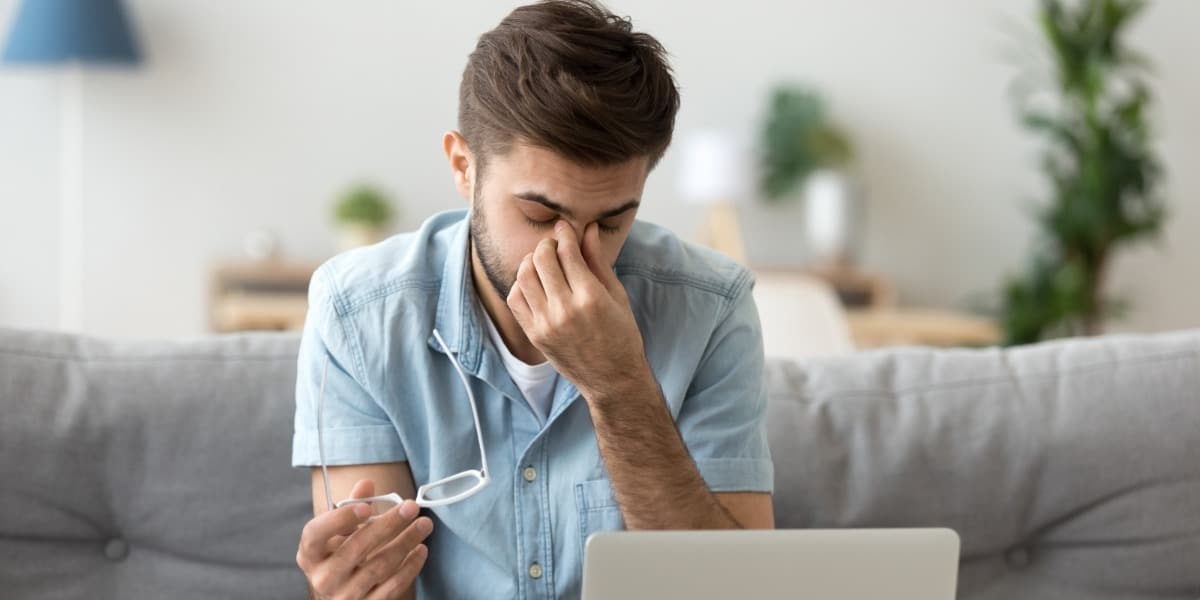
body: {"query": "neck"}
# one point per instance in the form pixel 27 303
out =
pixel 497 308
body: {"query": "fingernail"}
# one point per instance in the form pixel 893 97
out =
pixel 362 510
pixel 559 225
pixel 409 509
pixel 424 526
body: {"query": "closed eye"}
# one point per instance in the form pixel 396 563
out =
pixel 604 227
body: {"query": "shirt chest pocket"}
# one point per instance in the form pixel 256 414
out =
pixel 598 509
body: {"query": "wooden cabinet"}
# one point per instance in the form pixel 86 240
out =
pixel 259 295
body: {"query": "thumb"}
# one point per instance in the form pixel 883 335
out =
pixel 363 488
pixel 595 258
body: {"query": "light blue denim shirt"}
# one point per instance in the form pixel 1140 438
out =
pixel 393 395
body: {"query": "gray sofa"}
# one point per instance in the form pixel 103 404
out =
pixel 160 469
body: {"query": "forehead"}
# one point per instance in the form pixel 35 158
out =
pixel 532 168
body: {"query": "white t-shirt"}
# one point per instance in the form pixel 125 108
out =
pixel 536 382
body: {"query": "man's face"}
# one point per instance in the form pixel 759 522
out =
pixel 522 193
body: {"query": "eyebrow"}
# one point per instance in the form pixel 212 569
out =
pixel 562 210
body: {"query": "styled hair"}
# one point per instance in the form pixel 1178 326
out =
pixel 571 77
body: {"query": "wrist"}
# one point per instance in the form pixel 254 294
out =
pixel 630 383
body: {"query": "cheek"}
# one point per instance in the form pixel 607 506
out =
pixel 611 247
pixel 520 240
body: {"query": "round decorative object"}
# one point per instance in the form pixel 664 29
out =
pixel 261 244
pixel 116 549
pixel 1018 558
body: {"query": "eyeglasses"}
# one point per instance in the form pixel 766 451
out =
pixel 444 491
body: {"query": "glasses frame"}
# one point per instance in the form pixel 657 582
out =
pixel 480 475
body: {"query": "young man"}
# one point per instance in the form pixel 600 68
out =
pixel 617 371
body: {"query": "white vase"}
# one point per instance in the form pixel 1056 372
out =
pixel 832 218
pixel 355 236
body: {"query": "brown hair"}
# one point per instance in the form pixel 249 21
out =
pixel 572 77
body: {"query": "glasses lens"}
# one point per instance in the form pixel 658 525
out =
pixel 453 487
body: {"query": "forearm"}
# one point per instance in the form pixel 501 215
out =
pixel 655 480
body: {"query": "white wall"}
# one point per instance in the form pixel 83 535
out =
pixel 256 114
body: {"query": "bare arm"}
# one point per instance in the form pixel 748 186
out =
pixel 573 308
pixel 654 477
pixel 388 477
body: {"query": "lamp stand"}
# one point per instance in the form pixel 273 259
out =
pixel 70 217
pixel 722 231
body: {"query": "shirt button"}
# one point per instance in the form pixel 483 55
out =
pixel 535 571
pixel 116 549
pixel 530 474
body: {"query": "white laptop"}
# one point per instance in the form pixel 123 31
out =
pixel 823 564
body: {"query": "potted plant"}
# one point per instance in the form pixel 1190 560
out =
pixel 363 215
pixel 804 156
pixel 1103 174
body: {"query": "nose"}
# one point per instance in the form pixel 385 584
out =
pixel 564 222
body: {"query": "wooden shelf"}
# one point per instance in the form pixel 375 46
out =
pixel 259 295
pixel 921 327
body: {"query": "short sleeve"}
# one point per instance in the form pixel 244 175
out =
pixel 722 419
pixel 355 428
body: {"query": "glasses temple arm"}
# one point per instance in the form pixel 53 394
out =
pixel 320 440
pixel 474 410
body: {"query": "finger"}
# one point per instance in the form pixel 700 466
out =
pixel 334 543
pixel 363 488
pixel 595 258
pixel 373 535
pixel 396 549
pixel 314 538
pixel 574 266
pixel 317 538
pixel 531 286
pixel 380 566
pixel 401 581
pixel 519 306
pixel 549 272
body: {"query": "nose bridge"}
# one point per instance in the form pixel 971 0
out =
pixel 575 223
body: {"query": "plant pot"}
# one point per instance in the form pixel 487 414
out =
pixel 832 218
pixel 357 235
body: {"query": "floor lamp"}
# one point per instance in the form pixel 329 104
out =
pixel 70 34
pixel 715 174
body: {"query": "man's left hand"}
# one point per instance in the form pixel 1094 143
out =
pixel 575 311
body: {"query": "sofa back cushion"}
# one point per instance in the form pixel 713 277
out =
pixel 149 469
pixel 1070 469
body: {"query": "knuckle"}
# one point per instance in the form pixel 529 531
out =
pixel 375 570
pixel 319 581
pixel 559 319
pixel 353 551
pixel 586 299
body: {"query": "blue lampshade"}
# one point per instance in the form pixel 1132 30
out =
pixel 54 31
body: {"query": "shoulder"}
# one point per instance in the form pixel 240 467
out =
pixel 657 255
pixel 399 265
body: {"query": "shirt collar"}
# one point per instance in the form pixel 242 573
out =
pixel 457 319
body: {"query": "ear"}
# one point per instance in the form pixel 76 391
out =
pixel 461 162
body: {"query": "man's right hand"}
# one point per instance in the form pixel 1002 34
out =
pixel 344 557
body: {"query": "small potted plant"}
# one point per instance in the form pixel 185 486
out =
pixel 363 215
pixel 805 157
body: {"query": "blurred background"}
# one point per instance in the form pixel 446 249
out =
pixel 226 157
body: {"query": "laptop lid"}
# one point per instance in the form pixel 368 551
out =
pixel 835 564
